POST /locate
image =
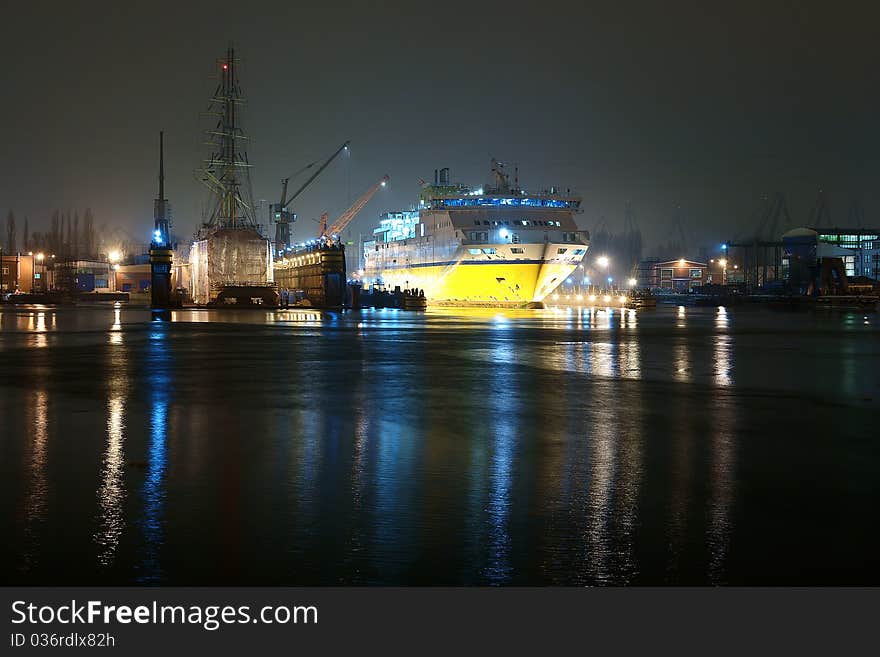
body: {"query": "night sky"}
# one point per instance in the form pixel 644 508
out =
pixel 709 105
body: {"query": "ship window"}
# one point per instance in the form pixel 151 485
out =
pixel 578 252
pixel 517 250
pixel 475 251
pixel 696 273
pixel 515 238
pixel 561 250
pixel 489 251
pixel 476 222
pixel 485 223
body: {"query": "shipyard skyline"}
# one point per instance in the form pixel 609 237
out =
pixel 668 109
pixel 354 311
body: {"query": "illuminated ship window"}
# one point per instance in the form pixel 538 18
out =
pixel 517 250
pixel 475 251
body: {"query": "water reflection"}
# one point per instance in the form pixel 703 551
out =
pixel 440 448
pixel 681 365
pixel 501 467
pixel 111 493
pixel 152 524
pixel 603 462
pixel 37 413
pixel 722 487
pixel 722 348
pixel 38 326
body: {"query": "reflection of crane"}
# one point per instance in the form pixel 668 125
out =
pixel 282 216
pixel 345 218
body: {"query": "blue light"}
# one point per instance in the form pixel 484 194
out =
pixel 724 247
pixel 503 233
pixel 586 280
pixel 610 279
pixel 568 281
pixel 157 236
pixel 516 201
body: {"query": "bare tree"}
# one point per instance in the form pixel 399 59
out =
pixel 65 235
pixel 54 236
pixel 10 232
pixel 89 234
pixel 76 241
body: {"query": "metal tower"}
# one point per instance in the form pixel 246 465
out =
pixel 226 172
pixel 161 249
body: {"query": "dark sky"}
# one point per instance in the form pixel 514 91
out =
pixel 709 105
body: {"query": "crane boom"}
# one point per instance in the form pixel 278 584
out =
pixel 346 217
pixel 316 174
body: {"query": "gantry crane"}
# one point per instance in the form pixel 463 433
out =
pixel 284 217
pixel 346 217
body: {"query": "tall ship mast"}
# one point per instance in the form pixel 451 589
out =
pixel 231 260
pixel 497 244
pixel 226 171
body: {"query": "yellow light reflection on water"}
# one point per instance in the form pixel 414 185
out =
pixel 38 487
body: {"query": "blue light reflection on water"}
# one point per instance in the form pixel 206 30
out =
pixel 572 447
pixel 154 491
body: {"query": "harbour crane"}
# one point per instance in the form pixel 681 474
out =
pixel 346 217
pixel 284 217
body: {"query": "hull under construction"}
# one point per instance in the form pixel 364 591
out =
pixel 232 266
pixel 312 275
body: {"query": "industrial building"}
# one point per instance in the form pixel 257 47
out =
pixel 830 261
pixel 680 275
pixel 862 245
pixel 20 272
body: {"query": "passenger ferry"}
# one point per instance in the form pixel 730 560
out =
pixel 494 245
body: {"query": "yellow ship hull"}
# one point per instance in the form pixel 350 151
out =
pixel 479 282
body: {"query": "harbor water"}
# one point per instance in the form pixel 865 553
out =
pixel 558 446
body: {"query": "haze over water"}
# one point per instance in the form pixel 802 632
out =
pixel 682 445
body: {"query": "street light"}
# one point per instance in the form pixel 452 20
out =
pixel 632 282
pixel 602 261
pixel 114 257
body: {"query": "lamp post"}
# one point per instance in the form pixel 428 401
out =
pixel 723 263
pixel 114 257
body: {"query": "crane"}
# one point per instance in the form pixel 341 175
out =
pixel 345 218
pixel 283 217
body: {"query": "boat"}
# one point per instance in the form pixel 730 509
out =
pixel 496 245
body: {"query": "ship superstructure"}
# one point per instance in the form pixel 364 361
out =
pixel 498 244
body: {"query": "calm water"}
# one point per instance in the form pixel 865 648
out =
pixel 453 447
